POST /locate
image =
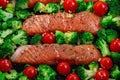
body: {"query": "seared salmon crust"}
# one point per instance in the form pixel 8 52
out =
pixel 80 22
pixel 54 53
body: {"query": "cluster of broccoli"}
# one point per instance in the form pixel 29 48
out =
pixel 45 72
pixel 11 34
pixel 74 37
pixel 48 8
pixel 12 75
pixel 112 19
pixel 87 73
pixel 83 6
pixel 54 7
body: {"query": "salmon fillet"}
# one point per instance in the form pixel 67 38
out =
pixel 80 22
pixel 55 53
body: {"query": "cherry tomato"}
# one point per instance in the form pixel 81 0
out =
pixel 106 63
pixel 48 37
pixel 70 6
pixel 30 72
pixel 3 3
pixel 63 68
pixel 102 74
pixel 100 8
pixel 5 65
pixel 115 45
pixel 72 76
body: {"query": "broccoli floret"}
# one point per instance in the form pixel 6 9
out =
pixel 12 75
pixel 13 23
pixel 10 8
pixel 20 37
pixel 86 38
pixel 89 6
pixel 22 14
pixel 2 76
pixel 81 5
pixel 115 57
pixel 4 16
pixel 103 46
pixel 45 72
pixel 110 22
pixel 102 34
pixel 5 33
pixel 39 7
pixel 36 39
pixel 51 8
pixel 114 7
pixel 23 78
pixel 1 41
pixel 71 37
pixel 86 74
pixel 115 72
pixel 21 4
pixel 60 37
pixel 6 49
pixel 108 34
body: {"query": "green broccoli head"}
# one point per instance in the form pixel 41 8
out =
pixel 81 5
pixel 71 37
pixel 4 16
pixel 94 66
pixel 89 6
pixel 45 72
pixel 2 76
pixel 21 4
pixel 12 75
pixel 115 72
pixel 86 74
pixel 110 22
pixel 10 8
pixel 102 45
pixel 20 37
pixel 13 23
pixel 51 8
pixel 86 38
pixel 60 37
pixel 36 39
pixel 6 49
pixel 108 34
pixel 22 14
pixel 115 57
pixel 5 33
pixel 39 7
pixel 23 78
pixel 114 7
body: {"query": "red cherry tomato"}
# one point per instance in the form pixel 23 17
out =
pixel 30 72
pixel 5 65
pixel 70 6
pixel 63 68
pixel 102 74
pixel 106 63
pixel 72 76
pixel 115 45
pixel 100 8
pixel 48 37
pixel 3 3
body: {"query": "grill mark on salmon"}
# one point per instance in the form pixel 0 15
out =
pixel 80 22
pixel 54 53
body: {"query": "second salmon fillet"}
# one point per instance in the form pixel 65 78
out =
pixel 80 22
pixel 55 53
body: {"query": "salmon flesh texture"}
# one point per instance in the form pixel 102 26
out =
pixel 79 22
pixel 54 53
